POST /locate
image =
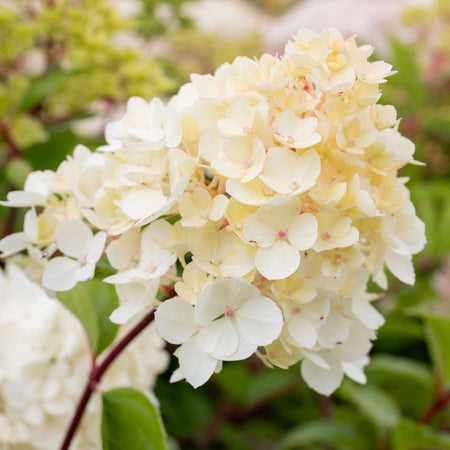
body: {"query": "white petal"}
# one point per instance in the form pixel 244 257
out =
pixel 13 243
pixel 277 262
pixel 61 274
pixel 336 329
pixel 218 207
pixel 121 251
pixel 355 347
pixel 259 321
pixel 302 331
pixel 97 246
pixel 210 146
pixel 142 203
pixel 220 295
pixel 172 128
pixel 22 198
pixel 244 351
pixel 255 231
pixel 237 265
pixel 280 212
pixel 252 193
pixel 315 358
pixel 355 370
pixel 196 365
pixel 367 313
pixel 401 266
pixel 302 233
pixel 323 381
pixel 219 338
pixel 175 320
pixel 73 238
pixel 31 225
pixel 125 313
pixel 86 271
pixel 128 276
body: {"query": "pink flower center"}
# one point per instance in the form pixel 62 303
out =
pixel 294 184
pixel 229 312
pixel 247 163
pixel 281 234
pixel 326 235
pixel 81 260
pixel 151 268
pixel 245 129
pixel 351 142
pixel 297 310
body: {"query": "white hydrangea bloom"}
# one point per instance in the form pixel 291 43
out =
pixel 82 249
pixel 282 171
pixel 45 361
pixel 228 322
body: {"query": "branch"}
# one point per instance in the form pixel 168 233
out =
pixel 439 403
pixel 13 149
pixel 98 371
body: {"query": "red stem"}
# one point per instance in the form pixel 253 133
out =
pixel 441 402
pixel 96 374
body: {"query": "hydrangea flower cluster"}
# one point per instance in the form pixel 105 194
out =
pixel 272 184
pixel 45 361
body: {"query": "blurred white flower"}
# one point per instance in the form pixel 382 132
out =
pixel 45 361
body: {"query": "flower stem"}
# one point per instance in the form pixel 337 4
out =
pixel 439 403
pixel 98 371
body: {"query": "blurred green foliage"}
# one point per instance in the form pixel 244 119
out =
pixel 60 58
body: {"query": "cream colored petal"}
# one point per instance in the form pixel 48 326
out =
pixel 73 238
pixel 121 251
pixel 255 231
pixel 218 207
pixel 174 320
pixel 259 321
pixel 142 203
pixel 280 212
pixel 278 261
pixel 252 193
pixel 302 331
pixel 302 233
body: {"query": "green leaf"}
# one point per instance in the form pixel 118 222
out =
pixel 267 383
pixel 410 435
pixel 373 402
pixel 184 409
pixel 395 366
pixel 48 155
pixel 104 300
pixel 432 200
pixel 43 86
pixel 437 331
pixel 316 432
pixel 78 301
pixel 400 376
pixel 130 421
pixel 92 302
